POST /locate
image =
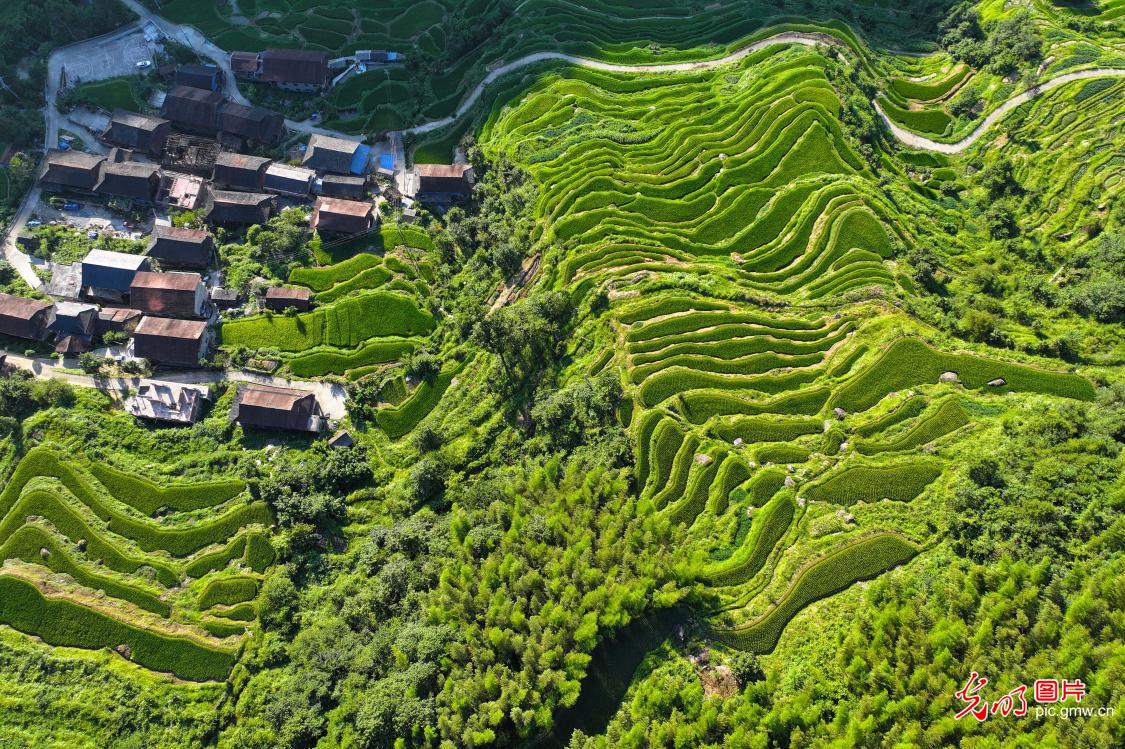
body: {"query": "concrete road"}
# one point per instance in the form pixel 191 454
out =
pixel 332 397
pixel 12 253
pixel 191 37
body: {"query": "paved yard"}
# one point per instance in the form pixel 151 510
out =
pixel 107 59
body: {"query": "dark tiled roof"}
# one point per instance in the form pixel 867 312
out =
pixel 167 327
pixel 138 131
pixel 129 179
pixel 294 66
pixel 193 108
pixel 328 154
pixel 72 169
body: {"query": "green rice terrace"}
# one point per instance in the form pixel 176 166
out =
pixel 724 413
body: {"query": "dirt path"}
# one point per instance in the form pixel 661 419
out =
pixel 331 396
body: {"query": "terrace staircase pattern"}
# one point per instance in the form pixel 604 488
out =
pixel 758 410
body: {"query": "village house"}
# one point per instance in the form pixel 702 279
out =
pixel 269 407
pixel 336 155
pixel 281 298
pixel 71 345
pixel 208 77
pixel 74 318
pixel 195 110
pixel 183 191
pixel 225 298
pixel 191 154
pixel 25 318
pixel 181 247
pixel 292 181
pixel 116 320
pixel 239 171
pixel 71 171
pixel 171 342
pixel 338 216
pixel 451 180
pixel 251 124
pixel 131 180
pixel 294 69
pixel 168 402
pixel 225 207
pixel 138 132
pixel 341 186
pixel 168 294
pixel 108 275
pixel 245 65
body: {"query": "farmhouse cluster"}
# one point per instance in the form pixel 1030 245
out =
pixel 232 166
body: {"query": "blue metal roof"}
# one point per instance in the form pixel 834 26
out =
pixel 387 161
pixel 360 158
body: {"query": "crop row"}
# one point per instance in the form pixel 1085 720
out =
pixel 63 622
pixel 328 361
pixel 909 362
pixel 682 464
pixel 908 409
pixel 665 442
pixel 731 473
pixel 228 591
pixel 949 416
pixel 900 481
pixel 31 541
pixel 149 497
pixel 695 497
pixel 752 429
pixel 700 405
pixel 401 419
pixel 345 324
pixel 769 524
pixel 857 561
pixel 675 380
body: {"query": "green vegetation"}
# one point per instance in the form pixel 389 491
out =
pixel 856 561
pixel 61 622
pixel 129 94
pixel 346 323
pixel 901 481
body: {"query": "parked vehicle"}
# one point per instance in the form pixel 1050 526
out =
pixel 71 206
pixel 34 223
pixel 144 64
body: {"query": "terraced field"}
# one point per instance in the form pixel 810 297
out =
pixel 751 256
pixel 96 557
pixel 369 308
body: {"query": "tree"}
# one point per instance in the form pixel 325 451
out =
pixel 1013 43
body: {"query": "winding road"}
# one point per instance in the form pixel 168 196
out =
pixel 917 141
